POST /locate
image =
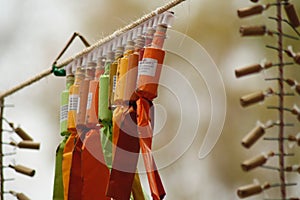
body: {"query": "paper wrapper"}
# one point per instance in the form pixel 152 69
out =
pixel 23 170
pixel 145 131
pixel 58 191
pixel 95 174
pixel 106 141
pixel 149 71
pixel 92 105
pixel 125 159
pixel 105 113
pixel 20 132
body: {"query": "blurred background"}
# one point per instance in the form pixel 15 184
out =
pixel 34 32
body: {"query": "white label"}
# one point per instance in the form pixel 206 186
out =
pixel 73 102
pixel 89 101
pixel 114 83
pixel 78 105
pixel 147 67
pixel 64 113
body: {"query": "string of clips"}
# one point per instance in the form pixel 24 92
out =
pixel 259 131
pixel 106 48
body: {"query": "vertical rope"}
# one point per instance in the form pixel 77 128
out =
pixel 1 150
pixel 281 102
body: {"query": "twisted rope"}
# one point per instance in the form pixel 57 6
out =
pixel 281 102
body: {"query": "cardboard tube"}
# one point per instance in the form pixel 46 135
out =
pixel 149 72
pixel 252 98
pixel 23 170
pixel 253 30
pixel 249 190
pixel 254 10
pixel 28 145
pixel 121 81
pixel 73 99
pixel 131 78
pixel 92 104
pixel 83 96
pixel 150 67
pixel 248 70
pixel 252 69
pixel 64 100
pixel 21 196
pixel 112 82
pixel 20 132
pixel 292 15
pixel 253 136
pixel 105 114
pixel 255 162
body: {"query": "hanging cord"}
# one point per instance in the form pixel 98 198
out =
pixel 117 33
pixel 1 149
pixel 281 102
pixel 61 72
